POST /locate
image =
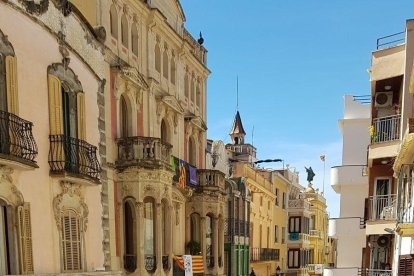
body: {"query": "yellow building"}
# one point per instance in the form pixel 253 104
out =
pixel 318 230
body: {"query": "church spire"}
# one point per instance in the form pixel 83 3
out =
pixel 237 132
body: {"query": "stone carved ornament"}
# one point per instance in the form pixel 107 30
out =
pixel 70 198
pixel 8 191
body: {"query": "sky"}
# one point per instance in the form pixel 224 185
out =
pixel 295 60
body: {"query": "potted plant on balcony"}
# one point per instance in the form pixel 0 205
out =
pixel 194 247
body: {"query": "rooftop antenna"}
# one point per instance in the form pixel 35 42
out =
pixel 237 102
pixel 253 136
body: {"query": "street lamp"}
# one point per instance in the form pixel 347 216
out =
pixel 277 270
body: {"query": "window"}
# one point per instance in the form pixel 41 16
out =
pixel 113 18
pixel 134 38
pixel 276 234
pixel 157 54
pixel 277 197
pixel 192 87
pixel 71 241
pixel 284 200
pixel 172 74
pixel 164 132
pixel 294 224
pixel 283 235
pixel 312 222
pixel 198 95
pixel 149 222
pixel 192 155
pixel 165 64
pixel 124 117
pixel 129 233
pixel 186 86
pixel 124 30
pixel 195 227
pixel 261 200
pixel 293 258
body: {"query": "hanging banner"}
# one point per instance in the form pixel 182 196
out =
pixel 184 174
pixel 182 181
pixel 192 172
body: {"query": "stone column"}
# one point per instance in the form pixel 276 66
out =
pixel 140 238
pixel 215 243
pixel 158 236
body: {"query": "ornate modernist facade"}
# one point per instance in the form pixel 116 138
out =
pixel 51 68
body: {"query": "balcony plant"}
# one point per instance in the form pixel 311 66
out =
pixel 194 247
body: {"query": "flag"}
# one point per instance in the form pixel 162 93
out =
pixel 322 158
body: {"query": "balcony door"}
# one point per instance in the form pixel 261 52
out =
pixel 4 117
pixel 382 204
pixel 70 130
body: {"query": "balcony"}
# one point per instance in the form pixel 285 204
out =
pixel 383 207
pixel 297 238
pixel 375 272
pixel 144 152
pixel 386 129
pixel 298 204
pixel 315 234
pixel 348 175
pixel 130 263
pixel 16 140
pixel 73 157
pixel 405 209
pixel 264 254
pixel 210 180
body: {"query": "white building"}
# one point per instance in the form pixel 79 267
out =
pixel 351 182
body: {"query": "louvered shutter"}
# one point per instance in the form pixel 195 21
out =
pixel 55 106
pixel 405 265
pixel 71 242
pixel 81 116
pixel 25 239
pixel 11 84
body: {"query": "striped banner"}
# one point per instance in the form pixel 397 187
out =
pixel 198 265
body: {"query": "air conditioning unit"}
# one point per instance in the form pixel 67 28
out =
pixel 383 241
pixel 383 99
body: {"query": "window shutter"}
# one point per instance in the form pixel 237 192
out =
pixel 25 239
pixel 405 266
pixel 81 116
pixel 71 242
pixel 55 106
pixel 11 84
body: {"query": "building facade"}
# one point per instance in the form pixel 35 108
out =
pixel 350 180
pixel 51 69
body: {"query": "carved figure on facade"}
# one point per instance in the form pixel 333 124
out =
pixel 36 7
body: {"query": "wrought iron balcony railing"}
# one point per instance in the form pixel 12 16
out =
pixel 383 207
pixel 73 156
pixel 146 152
pixel 264 254
pixel 386 129
pixel 166 262
pixel 150 263
pixel 374 272
pixel 130 263
pixel 210 261
pixel 16 139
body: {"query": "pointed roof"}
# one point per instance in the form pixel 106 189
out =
pixel 237 127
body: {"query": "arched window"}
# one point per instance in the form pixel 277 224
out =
pixel 192 87
pixel 198 95
pixel 165 135
pixel 157 54
pixel 195 227
pixel 165 64
pixel 71 241
pixel 124 30
pixel 192 155
pixel 186 85
pixel 113 17
pixel 130 256
pixel 134 37
pixel 172 74
pixel 124 118
pixel 149 234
